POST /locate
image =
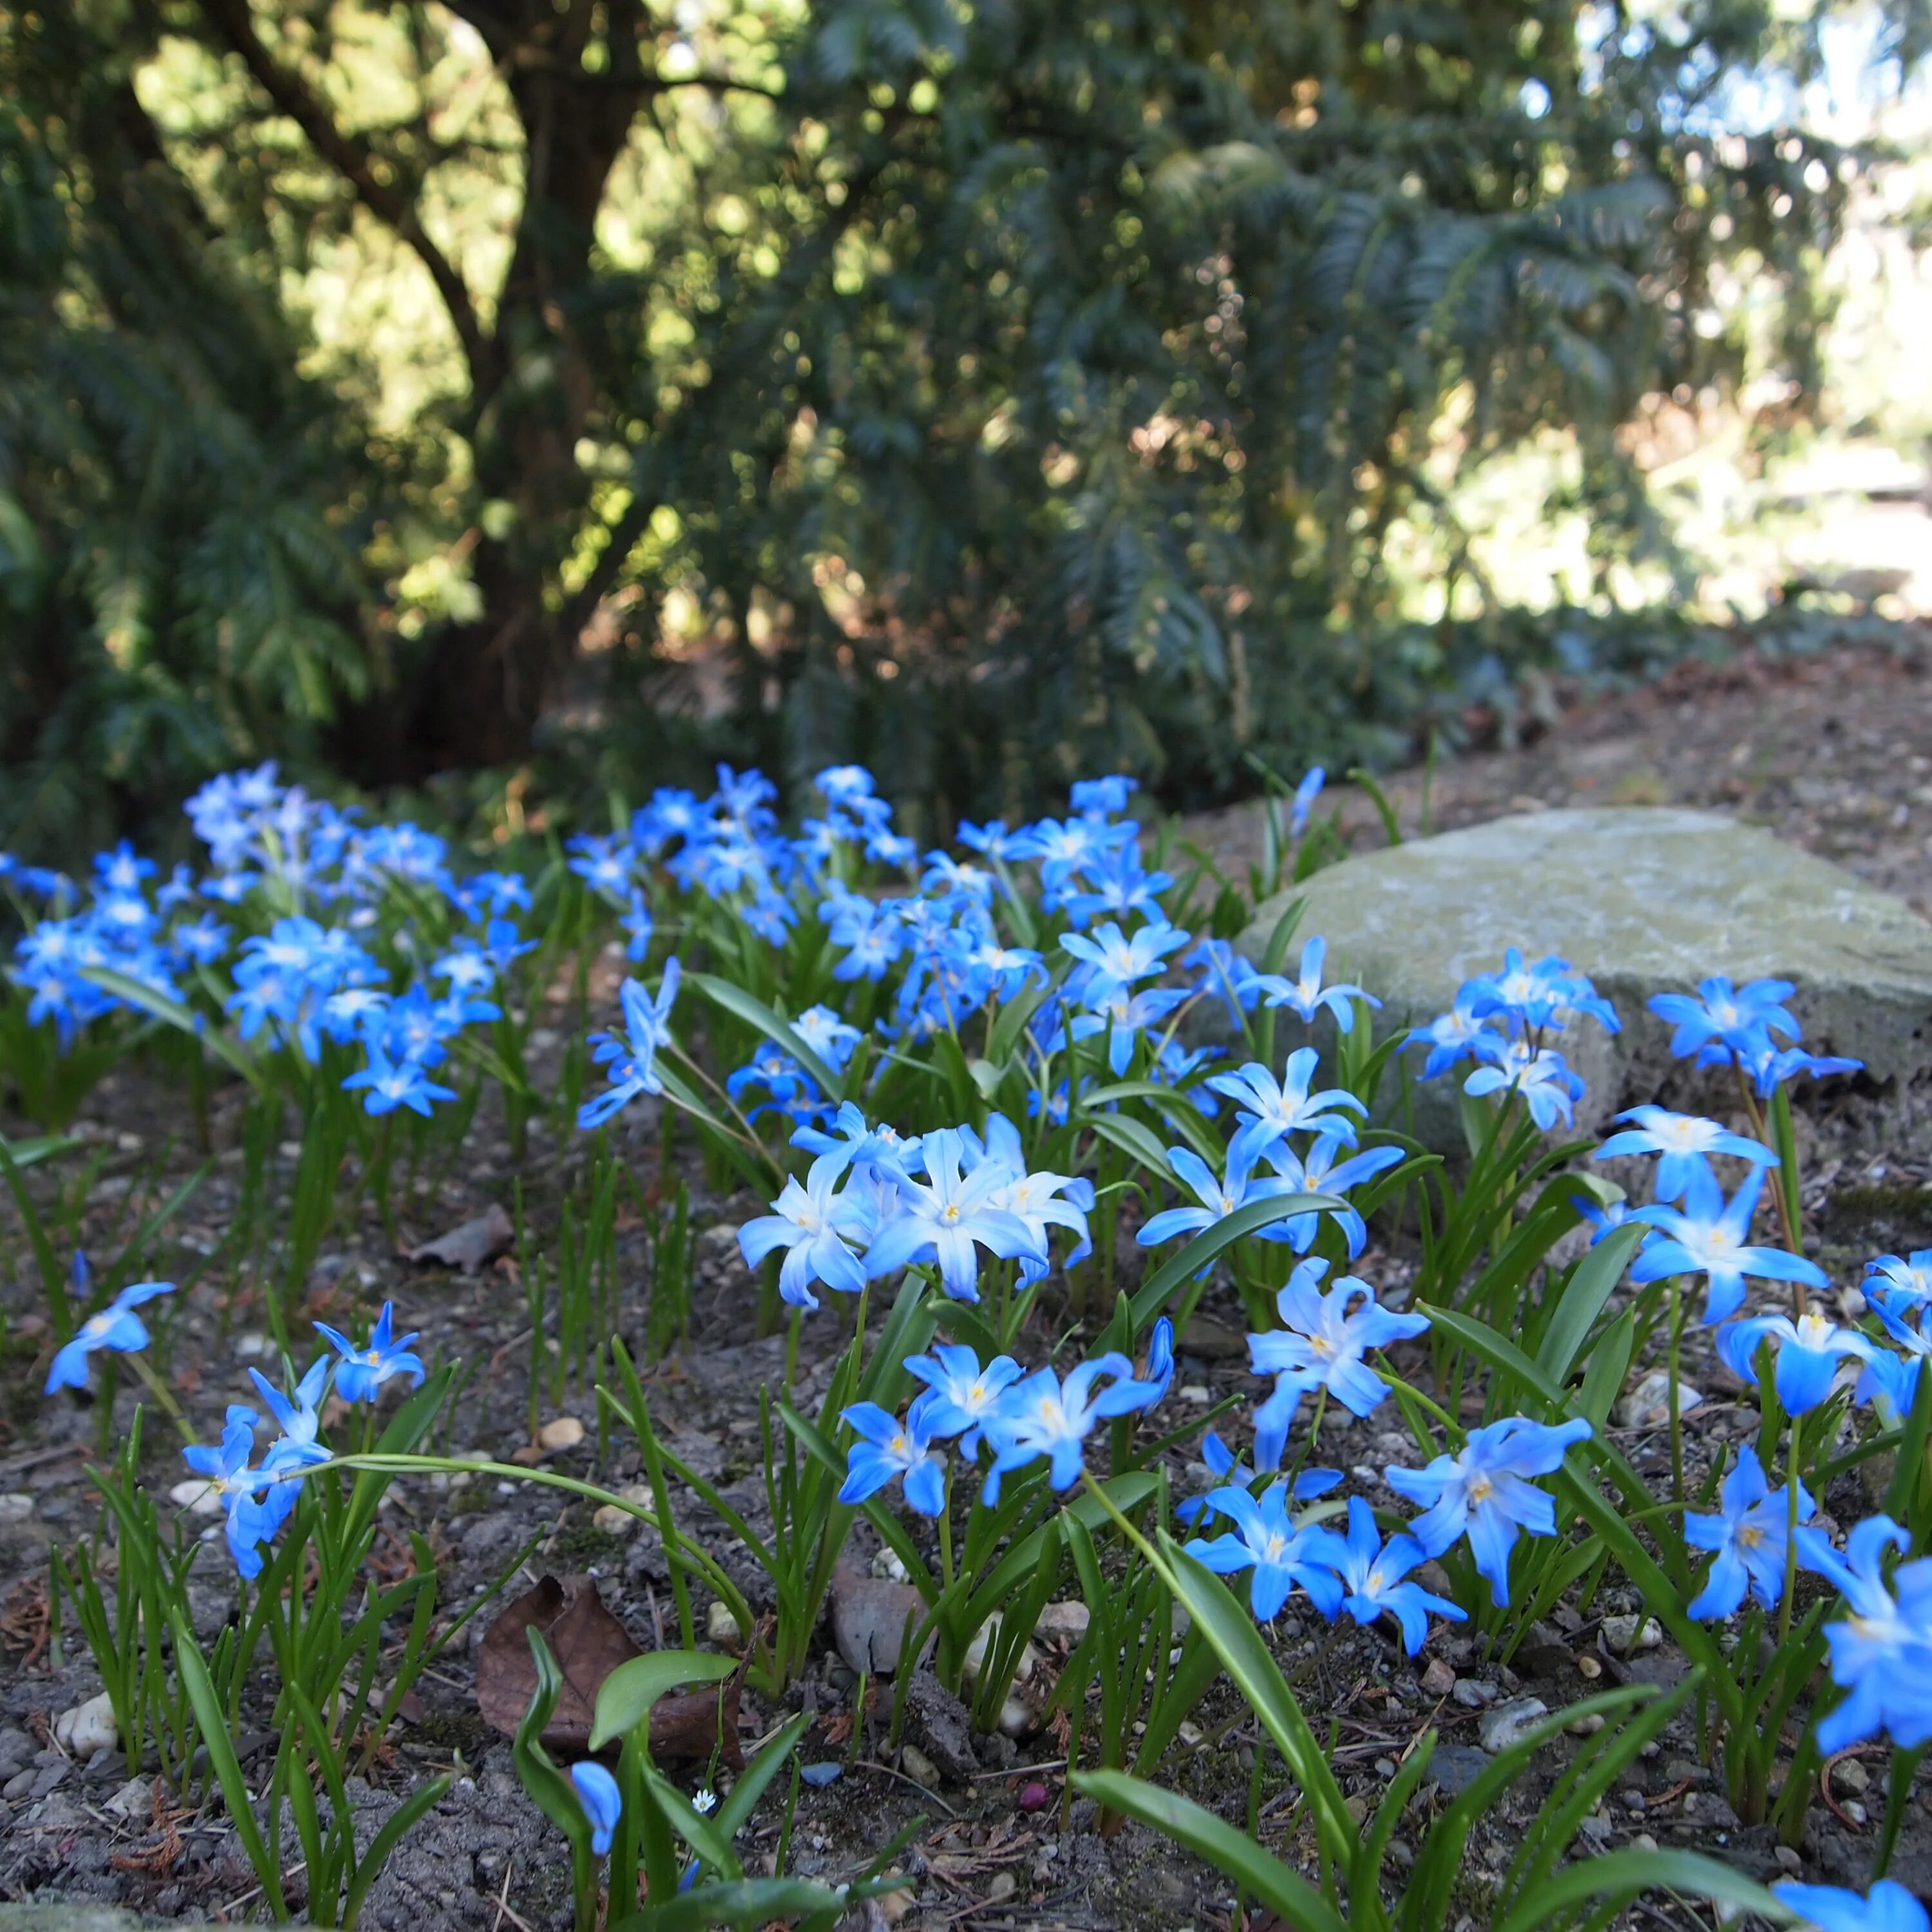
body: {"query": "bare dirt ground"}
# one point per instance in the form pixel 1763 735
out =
pixel 1832 752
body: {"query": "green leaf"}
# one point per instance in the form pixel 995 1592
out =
pixel 735 1000
pixel 395 1829
pixel 1622 1876
pixel 138 993
pixel 212 1721
pixel 1589 1287
pixel 1202 1252
pixel 625 1699
pixel 42 1147
pixel 1136 1140
pixel 1231 1852
pixel 751 1900
pixel 1230 1631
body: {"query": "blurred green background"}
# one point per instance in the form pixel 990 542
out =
pixel 511 404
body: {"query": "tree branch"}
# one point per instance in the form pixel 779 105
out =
pixel 290 95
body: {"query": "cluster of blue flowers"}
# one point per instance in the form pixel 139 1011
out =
pixel 301 888
pixel 1503 1022
pixel 257 1499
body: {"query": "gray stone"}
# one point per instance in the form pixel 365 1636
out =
pixel 58 1915
pixel 1454 1768
pixel 1508 1723
pixel 1644 901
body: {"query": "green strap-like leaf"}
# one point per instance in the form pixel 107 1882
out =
pixel 1154 1293
pixel 735 1000
pixel 147 999
pixel 1588 1288
pixel 1627 1875
pixel 625 1700
pixel 1231 1852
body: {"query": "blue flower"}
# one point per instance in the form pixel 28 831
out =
pixel 1224 974
pixel 1769 1067
pixel 116 1327
pixel 1890 1907
pixel 1605 1217
pixel 1111 962
pixel 1373 1575
pixel 814 1225
pixel 1322 1170
pixel 1686 1143
pixel 300 1419
pixel 1535 997
pixel 1305 795
pixel 1736 1017
pixel 603 1803
pixel 1280 1555
pixel 1749 1536
pixel 1484 1492
pixel 632 1055
pixel 1306 995
pixel 963 1394
pixel 1035 1199
pixel 392 1085
pixel 362 1372
pixel 1709 1238
pixel 1323 1347
pixel 1043 1416
pixel 1906 1280
pixel 227 1470
pixel 1228 1472
pixel 1273 1108
pixel 1809 1352
pixel 1450 1036
pixel 889 1448
pixel 1882 1652
pixel 1219 1197
pixel 858 1144
pixel 1548 1089
pixel 949 1217
pixel 1891 1383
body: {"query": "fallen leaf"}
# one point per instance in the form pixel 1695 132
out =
pixel 588 1643
pixel 869 1619
pixel 587 1640
pixel 470 1247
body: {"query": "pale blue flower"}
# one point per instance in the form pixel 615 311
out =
pixel 1710 1238
pixel 1043 1416
pixel 814 1226
pixel 1374 1576
pixel 1306 995
pixel 1685 1141
pixel 603 1803
pixel 117 1328
pixel 889 1449
pixel 1809 1351
pixel 1484 1492
pixel 1829 1908
pixel 1281 1556
pixel 1882 1651
pixel 362 1371
pixel 1749 1535
pixel 1273 1108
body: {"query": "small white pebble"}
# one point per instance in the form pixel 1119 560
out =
pixel 1195 1394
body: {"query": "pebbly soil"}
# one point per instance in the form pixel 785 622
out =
pixel 485 1858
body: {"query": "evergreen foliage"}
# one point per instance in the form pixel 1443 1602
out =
pixel 1015 389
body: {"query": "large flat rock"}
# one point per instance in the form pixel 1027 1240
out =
pixel 1644 901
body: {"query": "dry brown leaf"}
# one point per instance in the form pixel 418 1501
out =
pixel 587 1640
pixel 471 1245
pixel 588 1643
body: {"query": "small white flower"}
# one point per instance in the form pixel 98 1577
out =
pixel 705 1803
